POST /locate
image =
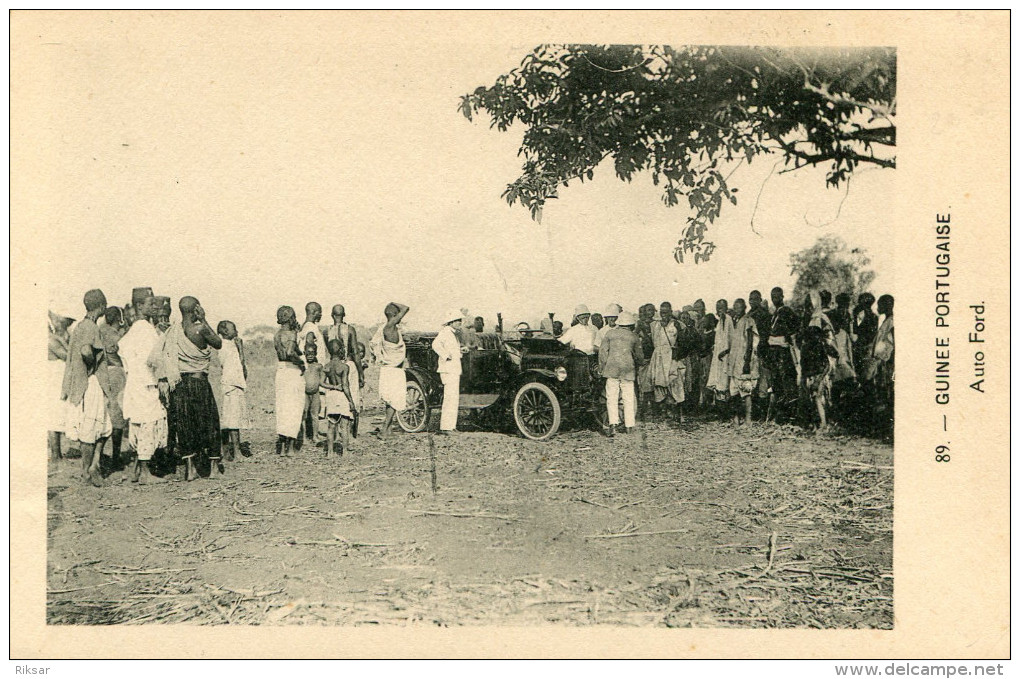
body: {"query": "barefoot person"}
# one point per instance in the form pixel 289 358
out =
pixel 290 382
pixel 763 322
pixel 112 331
pixel 816 350
pixel 59 339
pixel 667 372
pixel 743 360
pixel 181 362
pixel 719 369
pixel 234 383
pixel 354 356
pixel 390 350
pixel 844 376
pixel 311 336
pixel 779 357
pixel 146 416
pixel 643 330
pixel 864 330
pixel 313 380
pixel 880 370
pixel 88 419
pixel 336 383
pixel 449 350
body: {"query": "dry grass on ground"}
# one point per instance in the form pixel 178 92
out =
pixel 709 526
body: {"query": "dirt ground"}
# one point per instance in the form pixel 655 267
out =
pixel 704 526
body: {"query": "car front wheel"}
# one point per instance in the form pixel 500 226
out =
pixel 416 417
pixel 537 411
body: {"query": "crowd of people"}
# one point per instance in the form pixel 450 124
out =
pixel 819 363
pixel 131 371
pixel 134 388
pixel 135 392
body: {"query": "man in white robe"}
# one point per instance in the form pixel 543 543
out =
pixel 147 429
pixel 719 370
pixel 667 373
pixel 391 352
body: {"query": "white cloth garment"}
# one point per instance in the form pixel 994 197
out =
pixel 392 381
pixel 580 337
pixel 393 387
pixel 147 437
pixel 233 371
pixel 451 401
pixel 290 399
pixel 234 409
pixel 718 373
pixel 141 397
pixel 234 404
pixel 390 354
pixel 89 420
pixel 447 348
pixel 615 389
pixel 667 374
pixel 337 405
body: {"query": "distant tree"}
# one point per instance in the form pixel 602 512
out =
pixel 260 331
pixel 830 264
pixel 691 115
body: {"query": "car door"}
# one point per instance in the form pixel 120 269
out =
pixel 484 365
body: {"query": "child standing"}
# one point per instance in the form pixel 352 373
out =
pixel 234 381
pixel 313 377
pixel 338 397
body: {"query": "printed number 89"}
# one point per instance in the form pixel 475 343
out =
pixel 942 453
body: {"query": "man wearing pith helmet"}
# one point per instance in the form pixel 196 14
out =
pixel 619 358
pixel 610 315
pixel 449 350
pixel 581 336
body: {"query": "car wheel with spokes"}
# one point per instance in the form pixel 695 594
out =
pixel 537 411
pixel 415 418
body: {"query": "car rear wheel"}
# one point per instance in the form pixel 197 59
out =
pixel 537 411
pixel 416 417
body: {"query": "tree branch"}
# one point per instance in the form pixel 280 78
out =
pixel 611 70
pixel 881 110
pixel 875 135
pixel 761 189
pixel 815 158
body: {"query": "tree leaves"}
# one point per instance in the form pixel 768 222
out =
pixel 830 265
pixel 686 113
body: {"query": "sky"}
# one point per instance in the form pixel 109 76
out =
pixel 286 166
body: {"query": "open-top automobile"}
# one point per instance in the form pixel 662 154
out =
pixel 528 379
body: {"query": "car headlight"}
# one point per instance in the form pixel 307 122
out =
pixel 561 374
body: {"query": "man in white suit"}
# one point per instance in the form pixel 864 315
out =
pixel 449 350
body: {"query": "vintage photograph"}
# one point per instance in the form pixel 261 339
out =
pixel 347 333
